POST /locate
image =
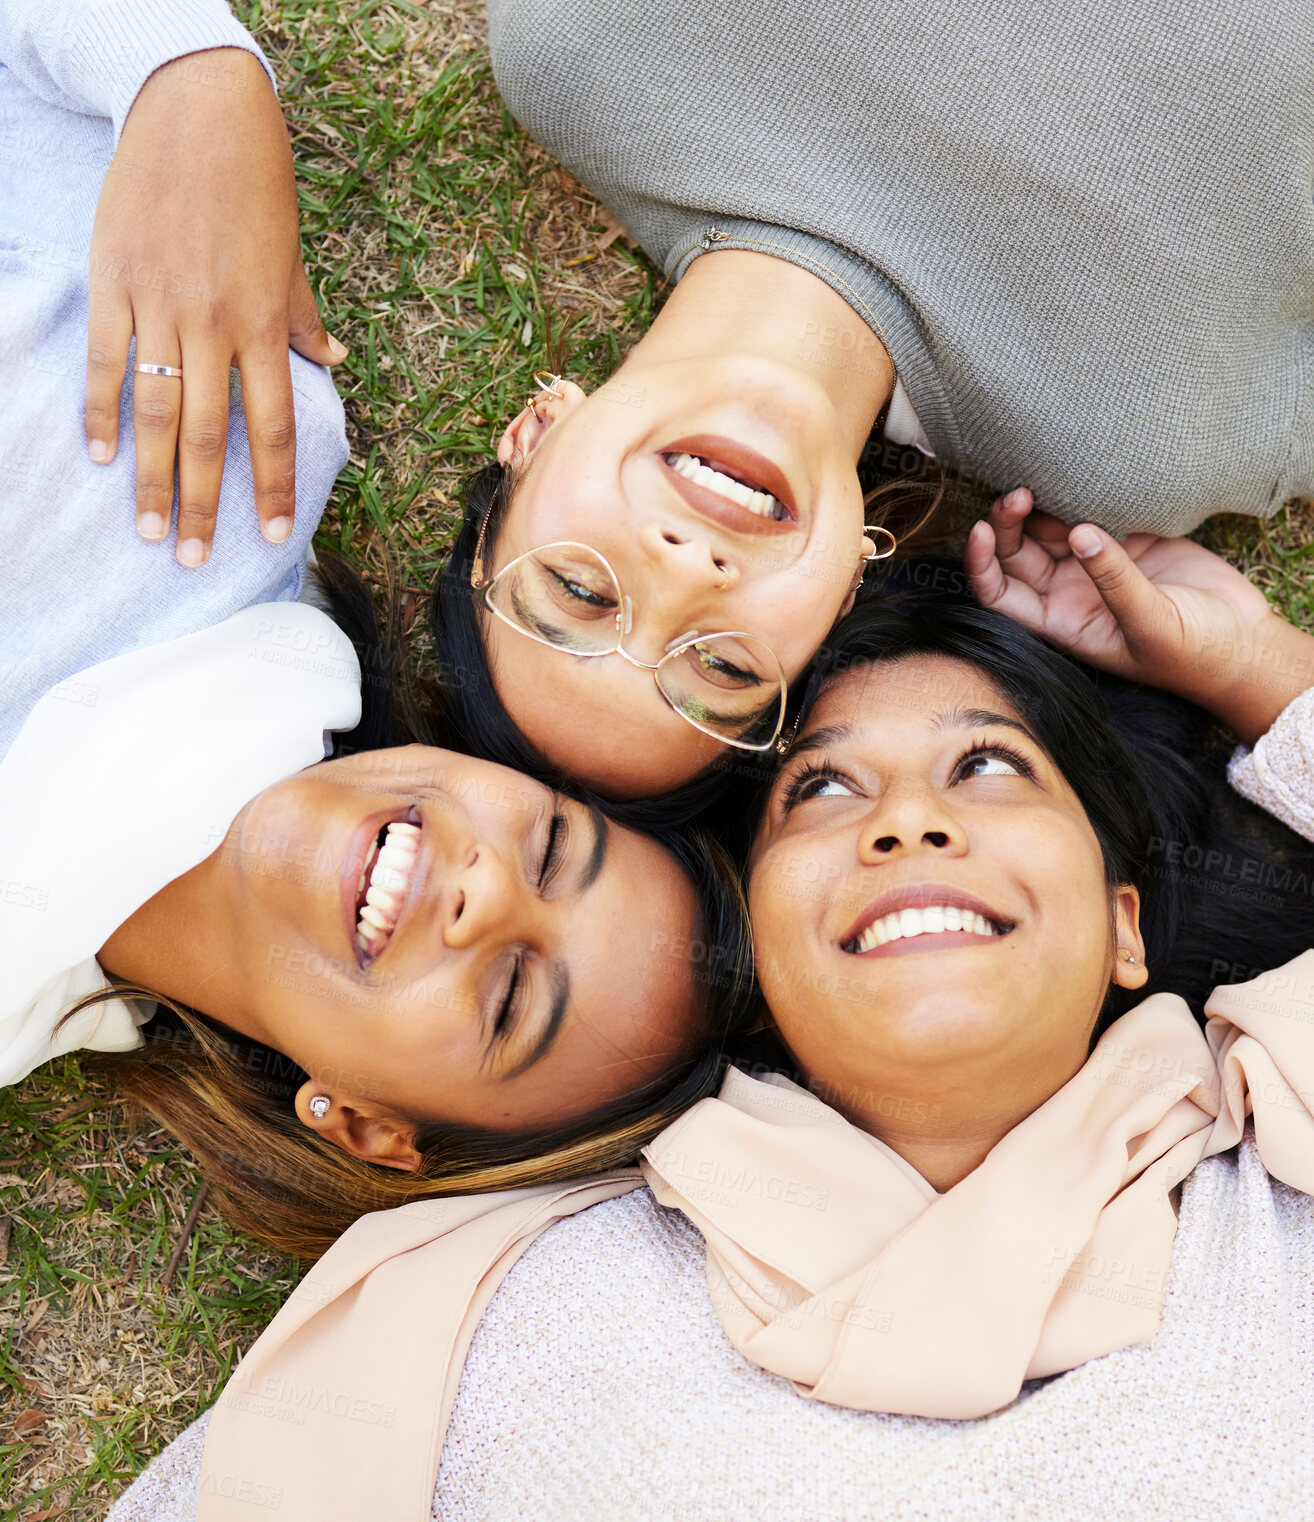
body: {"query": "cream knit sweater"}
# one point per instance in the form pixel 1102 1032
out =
pixel 600 1384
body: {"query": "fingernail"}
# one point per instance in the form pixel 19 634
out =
pixel 336 349
pixel 192 552
pixel 277 529
pixel 99 451
pixel 1085 540
pixel 152 526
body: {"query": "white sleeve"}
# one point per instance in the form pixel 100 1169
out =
pixel 93 56
pixel 1278 774
pixel 168 1490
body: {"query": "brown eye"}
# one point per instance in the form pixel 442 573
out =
pixel 989 766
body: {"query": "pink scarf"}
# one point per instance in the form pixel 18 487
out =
pixel 829 1259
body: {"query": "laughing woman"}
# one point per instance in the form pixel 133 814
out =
pixel 1077 246
pixel 1031 1223
pixel 341 982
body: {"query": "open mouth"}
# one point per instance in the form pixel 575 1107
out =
pixel 385 881
pixel 728 484
pixel 948 919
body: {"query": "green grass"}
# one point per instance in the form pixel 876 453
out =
pixel 442 244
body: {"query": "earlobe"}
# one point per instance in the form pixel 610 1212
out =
pixel 868 550
pixel 1129 970
pixel 374 1138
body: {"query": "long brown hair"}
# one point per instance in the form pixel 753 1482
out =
pixel 229 1102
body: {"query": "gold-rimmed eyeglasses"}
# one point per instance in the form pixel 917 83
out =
pixel 727 684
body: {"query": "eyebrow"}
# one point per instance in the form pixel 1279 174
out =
pixel 558 974
pixel 975 718
pixel 821 739
pixel 598 852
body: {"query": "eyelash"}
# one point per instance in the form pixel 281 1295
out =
pixel 553 853
pixel 812 771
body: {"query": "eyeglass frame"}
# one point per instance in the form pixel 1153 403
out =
pixel 481 585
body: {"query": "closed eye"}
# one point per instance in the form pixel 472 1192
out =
pixel 553 852
pixel 504 1021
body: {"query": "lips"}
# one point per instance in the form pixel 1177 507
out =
pixel 946 915
pixel 743 465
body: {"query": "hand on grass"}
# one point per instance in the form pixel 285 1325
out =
pixel 195 250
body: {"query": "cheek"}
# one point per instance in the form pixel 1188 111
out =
pixel 785 900
pixel 793 606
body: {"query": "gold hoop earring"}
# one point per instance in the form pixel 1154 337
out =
pixel 545 380
pixel 879 528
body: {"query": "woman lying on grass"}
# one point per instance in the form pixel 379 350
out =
pixel 398 972
pixel 1072 254
pixel 1005 1223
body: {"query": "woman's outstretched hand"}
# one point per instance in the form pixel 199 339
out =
pixel 1162 611
pixel 195 250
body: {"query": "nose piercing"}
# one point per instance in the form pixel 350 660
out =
pixel 319 1106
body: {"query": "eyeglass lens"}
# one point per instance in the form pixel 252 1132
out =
pixel 565 595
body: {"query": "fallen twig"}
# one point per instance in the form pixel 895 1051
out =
pixel 188 1226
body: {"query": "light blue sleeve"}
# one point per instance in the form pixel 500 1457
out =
pixel 93 56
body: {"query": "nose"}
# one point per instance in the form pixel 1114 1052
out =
pixel 685 571
pixel 907 819
pixel 488 898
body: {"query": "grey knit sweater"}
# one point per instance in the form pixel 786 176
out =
pixel 1085 232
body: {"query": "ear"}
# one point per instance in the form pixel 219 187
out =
pixel 1129 969
pixel 524 433
pixel 372 1137
pixel 868 548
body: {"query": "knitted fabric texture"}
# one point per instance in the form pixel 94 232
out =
pixel 600 1385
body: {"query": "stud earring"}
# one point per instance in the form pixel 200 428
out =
pixel 1131 960
pixel 319 1106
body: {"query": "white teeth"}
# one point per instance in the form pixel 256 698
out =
pixel 693 469
pixel 936 919
pixel 384 880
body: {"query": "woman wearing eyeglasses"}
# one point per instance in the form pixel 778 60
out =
pixel 1064 250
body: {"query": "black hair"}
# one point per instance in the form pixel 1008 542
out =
pixel 1226 890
